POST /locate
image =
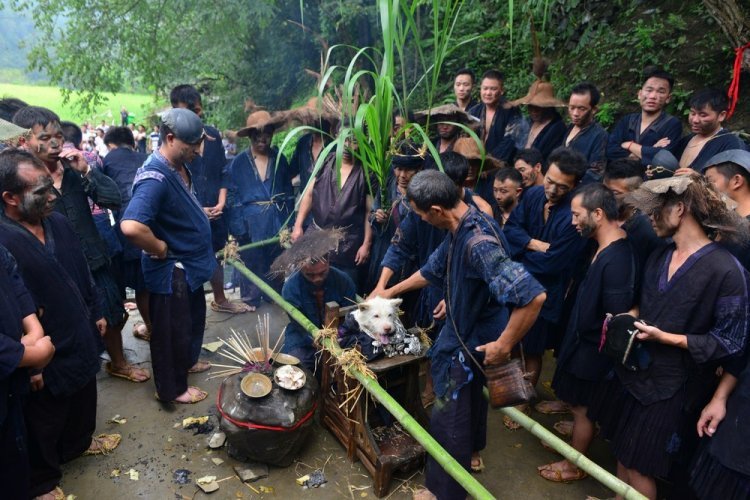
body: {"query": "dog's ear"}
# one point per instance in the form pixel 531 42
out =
pixel 362 306
pixel 396 302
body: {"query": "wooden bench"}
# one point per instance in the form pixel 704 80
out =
pixel 383 449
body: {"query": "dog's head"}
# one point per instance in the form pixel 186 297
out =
pixel 378 318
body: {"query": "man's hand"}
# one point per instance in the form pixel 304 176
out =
pixel 538 246
pixel 379 291
pixel 380 216
pixel 214 212
pixel 362 254
pixel 296 233
pixel 649 333
pixel 711 417
pixel 101 326
pixel 440 311
pixel 687 171
pixel 495 353
pixel 37 382
pixel 75 159
pixel 662 143
pixel 162 253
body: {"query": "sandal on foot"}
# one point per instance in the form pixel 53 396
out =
pixel 423 494
pixel 200 367
pixel 552 407
pixel 231 307
pixel 103 444
pixel 511 424
pixel 196 396
pixel 140 331
pixel 56 494
pixel 564 427
pixel 556 475
pixel 477 464
pixel 130 372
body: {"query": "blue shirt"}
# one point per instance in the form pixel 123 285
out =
pixel 338 287
pixel 163 202
pixel 591 142
pixel 481 282
pixel 552 268
pixel 629 129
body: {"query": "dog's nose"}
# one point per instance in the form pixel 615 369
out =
pixel 387 329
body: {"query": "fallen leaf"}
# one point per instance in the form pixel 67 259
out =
pixel 169 439
pixel 117 419
pixel 266 489
pixel 115 473
pixel 183 457
pixel 213 346
pixel 175 426
pixel 71 497
pixel 217 461
pixel 193 420
pixel 238 494
pixel 205 479
pixel 363 494
pixel 134 475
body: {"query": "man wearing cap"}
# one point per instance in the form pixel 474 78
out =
pixel 545 128
pixel 166 220
pixel 261 199
pixel 500 123
pixel 584 134
pixel 209 176
pixel 641 135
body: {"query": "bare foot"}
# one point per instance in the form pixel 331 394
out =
pixel 477 464
pixel 200 367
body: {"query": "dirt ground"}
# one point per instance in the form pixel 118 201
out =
pixel 155 445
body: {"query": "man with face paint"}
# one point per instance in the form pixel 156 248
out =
pixel 500 123
pixel 529 163
pixel 60 412
pixel 584 134
pixel 708 110
pixel 75 182
pixel 641 135
pixel 507 188
pixel 165 219
pixel 541 237
pixel 607 288
pixel 261 200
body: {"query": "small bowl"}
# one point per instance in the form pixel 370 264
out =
pixel 285 359
pixel 256 385
pixel 292 370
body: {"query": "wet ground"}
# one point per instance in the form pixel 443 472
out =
pixel 154 445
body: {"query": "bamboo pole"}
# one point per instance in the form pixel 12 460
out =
pixel 574 456
pixel 446 461
pixel 255 244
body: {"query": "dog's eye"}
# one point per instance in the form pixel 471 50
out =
pixel 376 316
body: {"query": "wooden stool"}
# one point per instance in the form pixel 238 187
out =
pixel 382 450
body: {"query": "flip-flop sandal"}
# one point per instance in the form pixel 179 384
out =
pixel 231 307
pixel 564 427
pixel 141 333
pixel 194 397
pixel 128 373
pixel 105 444
pixel 479 467
pixel 203 366
pixel 556 476
pixel 552 407
pixel 511 424
pixel 57 494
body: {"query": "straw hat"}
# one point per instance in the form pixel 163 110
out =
pixel 9 132
pixel 258 120
pixel 540 94
pixel 312 246
pixel 311 113
pixel 447 113
pixel 467 147
pixel 646 197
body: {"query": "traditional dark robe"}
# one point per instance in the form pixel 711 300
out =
pixel 642 236
pixel 481 284
pixel 591 142
pixel 383 234
pixel 302 162
pixel 550 137
pixel 504 131
pixel 629 129
pixel 722 141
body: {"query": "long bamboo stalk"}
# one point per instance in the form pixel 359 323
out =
pixel 449 464
pixel 255 244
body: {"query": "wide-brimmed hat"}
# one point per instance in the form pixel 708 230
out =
pixel 541 94
pixel 314 245
pixel 311 113
pixel 446 113
pixel 467 147
pixel 9 132
pixel 259 120
pixel 646 197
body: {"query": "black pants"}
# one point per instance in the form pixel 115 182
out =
pixel 14 455
pixel 177 322
pixel 60 429
pixel 460 427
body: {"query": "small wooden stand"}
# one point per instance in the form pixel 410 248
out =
pixel 382 451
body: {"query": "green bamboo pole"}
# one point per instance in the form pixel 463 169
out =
pixel 574 456
pixel 255 244
pixel 449 464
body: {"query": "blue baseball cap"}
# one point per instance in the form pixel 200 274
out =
pixel 739 157
pixel 184 124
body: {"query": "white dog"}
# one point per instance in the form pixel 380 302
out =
pixel 378 319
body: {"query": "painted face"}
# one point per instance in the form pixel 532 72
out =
pixel 506 193
pixel 665 220
pixel 705 121
pixel 529 173
pixel 654 95
pixel 38 198
pixel 261 140
pixel 557 184
pixel 491 91
pixel 620 188
pixel 583 220
pixel 404 176
pixel 720 182
pixel 183 152
pixel 46 142
pixel 446 131
pixel 536 114
pixel 316 272
pixel 580 111
pixel 462 86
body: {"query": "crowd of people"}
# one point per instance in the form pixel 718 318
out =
pixel 539 235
